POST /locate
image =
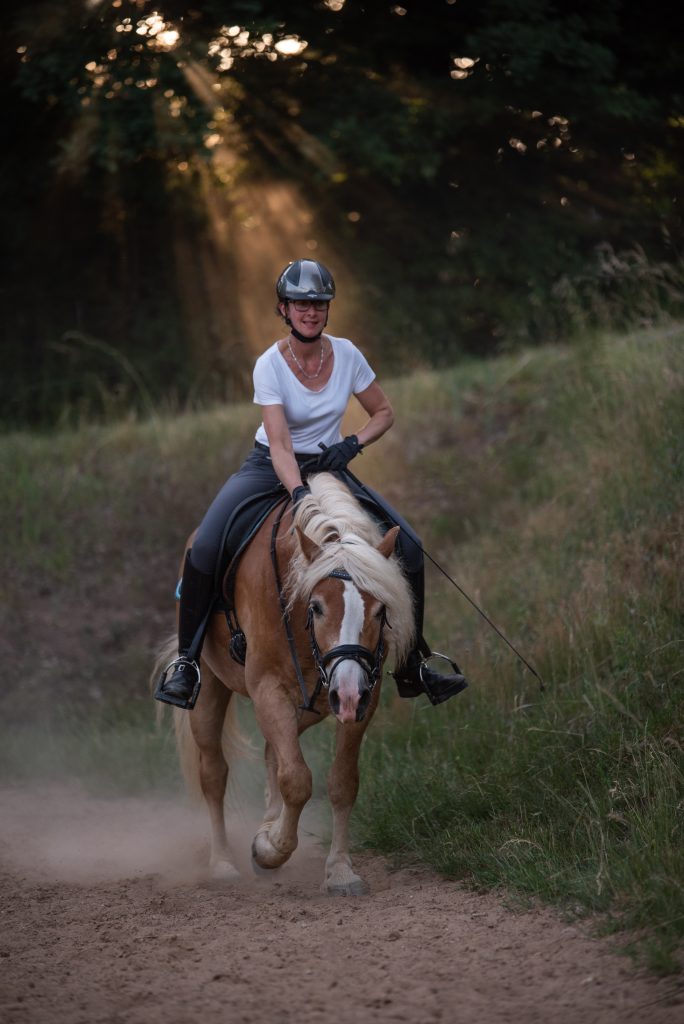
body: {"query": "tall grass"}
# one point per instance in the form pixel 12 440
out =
pixel 550 484
pixel 562 478
pixel 111 750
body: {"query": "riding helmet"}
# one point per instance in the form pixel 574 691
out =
pixel 305 279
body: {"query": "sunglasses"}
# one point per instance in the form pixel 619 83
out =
pixel 302 305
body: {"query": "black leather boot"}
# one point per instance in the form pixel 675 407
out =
pixel 415 676
pixel 179 683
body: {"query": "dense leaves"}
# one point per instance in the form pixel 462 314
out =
pixel 486 150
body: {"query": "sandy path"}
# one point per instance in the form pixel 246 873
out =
pixel 102 921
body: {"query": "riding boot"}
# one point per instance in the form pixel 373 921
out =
pixel 179 683
pixel 414 676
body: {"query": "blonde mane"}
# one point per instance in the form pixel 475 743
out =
pixel 348 538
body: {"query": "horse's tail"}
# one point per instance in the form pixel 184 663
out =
pixel 233 741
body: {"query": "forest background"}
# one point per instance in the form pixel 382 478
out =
pixel 478 176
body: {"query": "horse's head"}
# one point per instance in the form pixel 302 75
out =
pixel 347 626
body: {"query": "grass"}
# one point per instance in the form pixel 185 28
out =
pixel 569 489
pixel 112 751
pixel 550 484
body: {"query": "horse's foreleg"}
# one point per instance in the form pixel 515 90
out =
pixel 207 725
pixel 274 801
pixel 288 775
pixel 343 786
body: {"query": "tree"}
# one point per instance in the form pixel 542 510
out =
pixel 458 160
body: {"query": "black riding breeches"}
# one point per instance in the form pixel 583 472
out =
pixel 257 476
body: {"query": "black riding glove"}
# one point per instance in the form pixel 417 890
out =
pixel 300 492
pixel 338 455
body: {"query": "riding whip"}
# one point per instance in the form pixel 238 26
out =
pixel 453 582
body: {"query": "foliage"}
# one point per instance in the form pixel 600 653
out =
pixel 485 150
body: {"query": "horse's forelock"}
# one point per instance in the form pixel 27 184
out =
pixel 348 538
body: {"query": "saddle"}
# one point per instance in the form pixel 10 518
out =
pixel 241 528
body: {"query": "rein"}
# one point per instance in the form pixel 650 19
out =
pixel 309 702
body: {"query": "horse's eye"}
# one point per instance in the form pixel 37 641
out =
pixel 380 612
pixel 317 608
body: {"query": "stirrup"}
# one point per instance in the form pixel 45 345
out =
pixel 448 686
pixel 187 703
pixel 435 654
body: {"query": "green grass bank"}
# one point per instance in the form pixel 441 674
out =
pixel 553 490
pixel 550 484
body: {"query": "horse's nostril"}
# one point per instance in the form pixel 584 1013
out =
pixel 362 706
pixel 334 701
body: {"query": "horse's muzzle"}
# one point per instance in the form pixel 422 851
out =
pixel 350 708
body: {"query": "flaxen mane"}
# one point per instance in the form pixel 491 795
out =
pixel 347 536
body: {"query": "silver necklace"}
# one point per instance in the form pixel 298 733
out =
pixel 309 376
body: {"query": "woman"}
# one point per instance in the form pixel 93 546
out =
pixel 303 384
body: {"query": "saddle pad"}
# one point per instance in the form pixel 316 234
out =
pixel 241 528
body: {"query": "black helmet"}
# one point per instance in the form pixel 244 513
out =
pixel 305 279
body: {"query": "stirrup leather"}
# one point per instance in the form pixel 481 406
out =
pixel 187 703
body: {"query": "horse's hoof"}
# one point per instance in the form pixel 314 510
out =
pixel 222 872
pixel 265 854
pixel 355 888
pixel 258 869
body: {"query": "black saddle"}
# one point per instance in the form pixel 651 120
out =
pixel 242 526
pixel 238 533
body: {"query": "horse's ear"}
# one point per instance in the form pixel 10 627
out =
pixel 386 545
pixel 310 549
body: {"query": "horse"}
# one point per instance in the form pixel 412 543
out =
pixel 343 606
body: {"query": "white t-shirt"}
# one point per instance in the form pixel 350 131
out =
pixel 312 416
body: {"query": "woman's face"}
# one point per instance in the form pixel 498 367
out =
pixel 308 317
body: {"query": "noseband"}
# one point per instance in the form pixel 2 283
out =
pixel 369 661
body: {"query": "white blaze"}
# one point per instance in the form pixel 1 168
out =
pixel 350 675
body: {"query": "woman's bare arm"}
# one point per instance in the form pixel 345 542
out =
pixel 376 403
pixel 280 443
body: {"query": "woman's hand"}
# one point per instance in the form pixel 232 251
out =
pixel 337 456
pixel 300 492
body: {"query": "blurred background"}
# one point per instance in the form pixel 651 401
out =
pixel 477 175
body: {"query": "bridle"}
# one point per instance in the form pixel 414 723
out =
pixel 369 661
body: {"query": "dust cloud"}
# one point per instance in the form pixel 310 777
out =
pixel 108 916
pixel 58 831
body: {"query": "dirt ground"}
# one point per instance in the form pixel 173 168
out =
pixel 106 917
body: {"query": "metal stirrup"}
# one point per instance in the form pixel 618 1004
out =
pixel 182 660
pixel 444 657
